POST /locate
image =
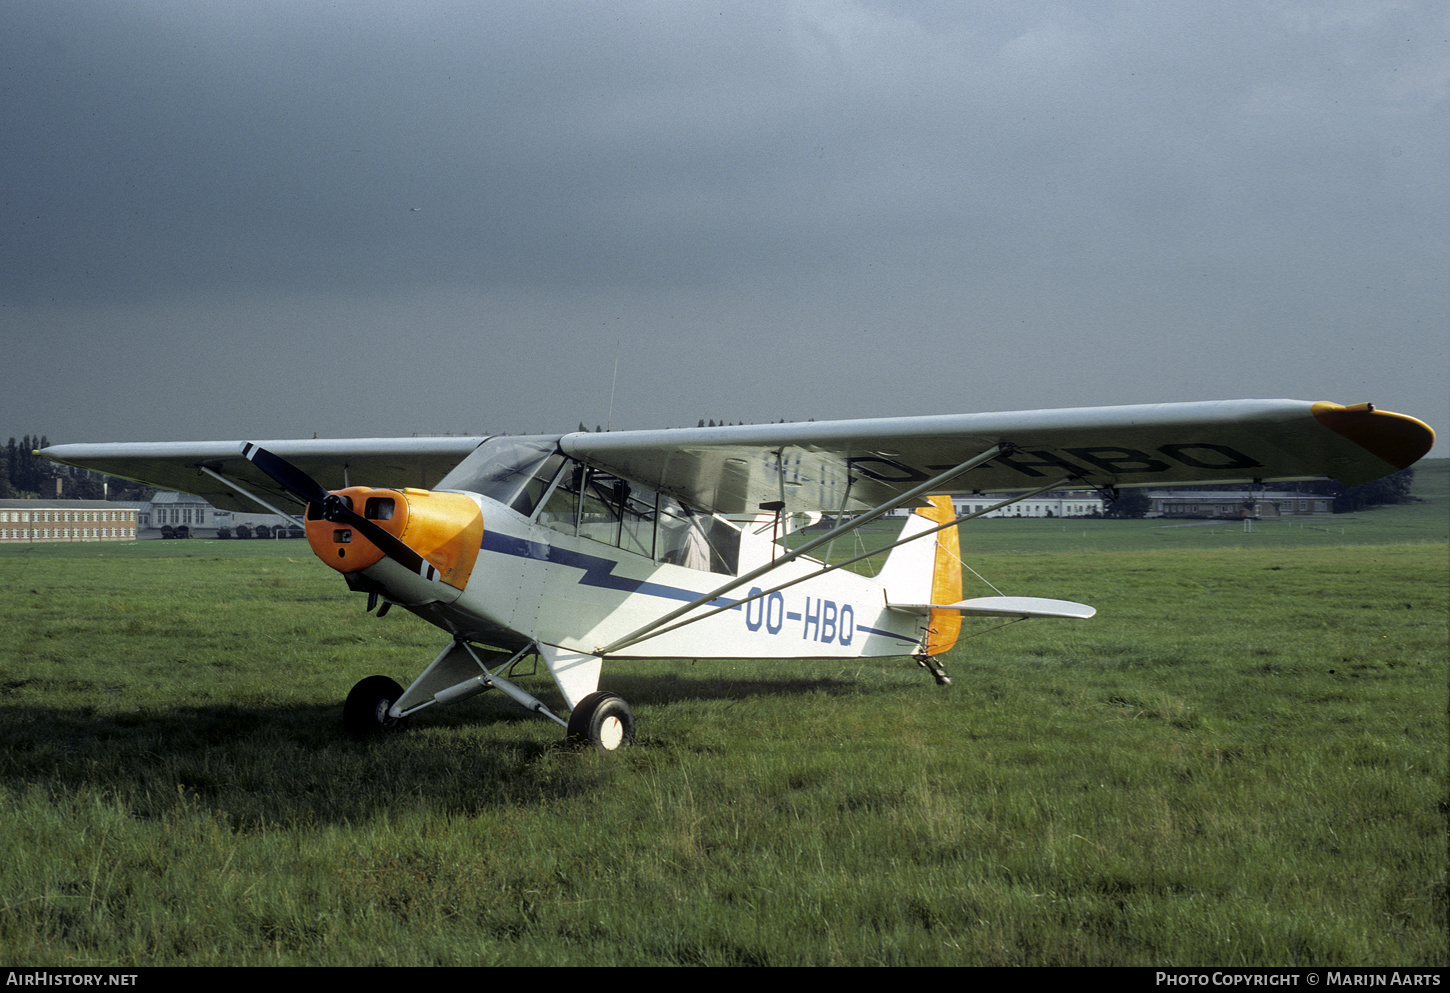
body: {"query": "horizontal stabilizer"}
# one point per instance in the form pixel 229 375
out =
pixel 1006 606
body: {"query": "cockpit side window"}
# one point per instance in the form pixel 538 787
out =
pixel 594 504
pixel 637 512
pixel 561 508
pixel 697 541
pixel 599 513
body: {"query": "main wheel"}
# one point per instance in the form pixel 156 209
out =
pixel 602 721
pixel 366 710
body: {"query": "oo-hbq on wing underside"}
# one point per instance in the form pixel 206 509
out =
pixel 644 543
pixel 817 465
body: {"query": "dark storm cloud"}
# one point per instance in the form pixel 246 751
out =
pixel 1076 203
pixel 196 150
pixel 175 148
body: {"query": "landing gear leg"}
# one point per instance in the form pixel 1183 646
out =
pixel 932 665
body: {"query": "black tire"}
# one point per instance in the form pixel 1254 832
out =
pixel 603 722
pixel 366 711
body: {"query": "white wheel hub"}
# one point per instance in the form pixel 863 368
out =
pixel 611 733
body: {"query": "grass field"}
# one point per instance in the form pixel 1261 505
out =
pixel 1240 760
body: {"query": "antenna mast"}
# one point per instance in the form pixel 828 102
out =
pixel 609 421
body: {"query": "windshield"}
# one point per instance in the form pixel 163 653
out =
pixel 515 471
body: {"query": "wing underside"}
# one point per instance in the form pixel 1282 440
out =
pixel 387 462
pixel 833 466
pixel 852 465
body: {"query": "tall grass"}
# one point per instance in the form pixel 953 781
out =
pixel 1241 760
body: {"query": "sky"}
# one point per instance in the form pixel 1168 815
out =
pixel 287 220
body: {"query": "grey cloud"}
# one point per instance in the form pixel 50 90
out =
pixel 805 181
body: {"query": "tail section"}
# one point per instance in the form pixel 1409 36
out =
pixel 928 572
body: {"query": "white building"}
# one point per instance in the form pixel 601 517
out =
pixel 1059 503
pixel 169 513
pixel 175 510
pixel 1240 504
pixel 66 520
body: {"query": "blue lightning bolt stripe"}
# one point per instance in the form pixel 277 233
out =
pixel 598 570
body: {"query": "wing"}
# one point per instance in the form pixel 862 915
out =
pixel 854 465
pixel 335 463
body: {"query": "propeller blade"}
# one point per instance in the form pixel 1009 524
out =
pixel 285 474
pixel 336 510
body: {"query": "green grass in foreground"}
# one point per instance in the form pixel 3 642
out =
pixel 1241 760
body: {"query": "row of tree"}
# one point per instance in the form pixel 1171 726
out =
pixel 24 474
pixel 1394 488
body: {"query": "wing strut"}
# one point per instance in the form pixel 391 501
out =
pixel 933 483
pixel 922 534
pixel 864 555
pixel 244 492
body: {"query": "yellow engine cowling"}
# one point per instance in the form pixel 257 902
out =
pixel 444 528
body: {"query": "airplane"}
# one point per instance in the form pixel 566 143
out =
pixel 574 549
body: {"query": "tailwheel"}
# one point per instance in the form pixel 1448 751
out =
pixel 933 665
pixel 366 711
pixel 602 721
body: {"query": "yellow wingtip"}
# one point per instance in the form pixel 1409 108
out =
pixel 1398 439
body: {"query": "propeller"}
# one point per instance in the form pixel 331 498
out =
pixel 335 508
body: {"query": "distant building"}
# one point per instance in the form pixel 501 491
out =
pixel 173 515
pixel 1236 505
pixel 173 510
pixel 1162 503
pixel 67 520
pixel 1061 503
pixel 233 521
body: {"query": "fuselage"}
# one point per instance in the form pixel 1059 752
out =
pixel 538 584
pixel 578 560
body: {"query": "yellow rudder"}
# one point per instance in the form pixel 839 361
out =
pixel 946 577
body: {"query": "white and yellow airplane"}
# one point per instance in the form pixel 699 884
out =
pixel 647 544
